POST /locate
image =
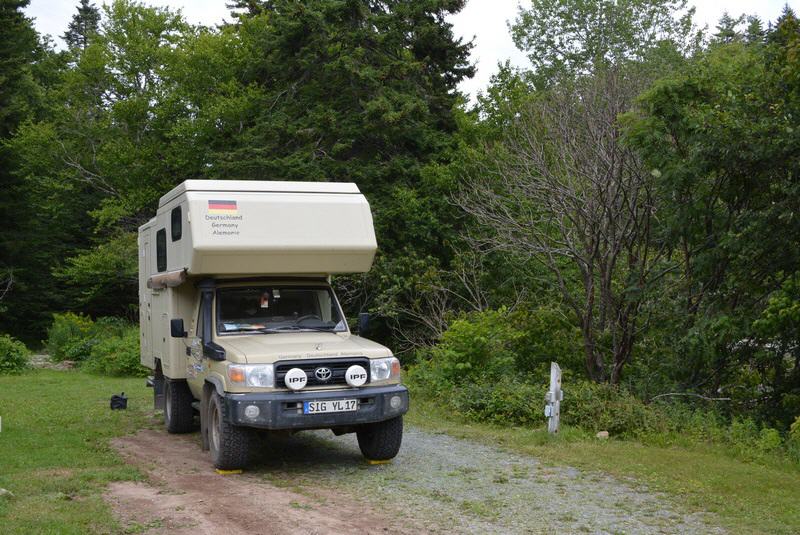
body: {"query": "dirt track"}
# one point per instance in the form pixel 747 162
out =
pixel 184 495
pixel 317 483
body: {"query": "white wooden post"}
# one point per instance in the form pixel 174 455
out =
pixel 553 398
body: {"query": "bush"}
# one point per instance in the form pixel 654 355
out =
pixel 501 344
pixel 66 337
pixel 794 432
pixel 504 403
pixel 13 355
pixel 604 407
pixel 117 354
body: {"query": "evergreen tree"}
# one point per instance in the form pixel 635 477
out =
pixel 727 29
pixel 83 26
pixel 247 8
pixel 755 30
pixel 18 44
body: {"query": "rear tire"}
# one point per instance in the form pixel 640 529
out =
pixel 178 412
pixel 229 444
pixel 381 441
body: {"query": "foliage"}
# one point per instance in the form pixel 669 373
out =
pixel 569 38
pixel 494 344
pixel 721 139
pixel 108 345
pixel 67 336
pixel 794 432
pixel 83 26
pixel 117 355
pixel 13 355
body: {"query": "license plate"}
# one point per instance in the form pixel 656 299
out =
pixel 332 405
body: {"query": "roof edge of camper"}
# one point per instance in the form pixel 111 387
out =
pixel 257 186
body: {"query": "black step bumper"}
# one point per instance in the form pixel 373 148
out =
pixel 284 410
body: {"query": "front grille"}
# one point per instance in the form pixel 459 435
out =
pixel 338 367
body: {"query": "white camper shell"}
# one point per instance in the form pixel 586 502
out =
pixel 215 242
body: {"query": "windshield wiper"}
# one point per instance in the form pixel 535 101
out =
pixel 302 328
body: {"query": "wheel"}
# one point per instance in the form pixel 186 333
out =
pixel 178 412
pixel 229 444
pixel 381 441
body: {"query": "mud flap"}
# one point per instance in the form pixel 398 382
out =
pixel 156 382
pixel 204 401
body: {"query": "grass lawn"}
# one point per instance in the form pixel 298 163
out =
pixel 54 453
pixel 747 497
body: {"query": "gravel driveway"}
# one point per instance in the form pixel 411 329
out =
pixel 454 485
pixel 317 483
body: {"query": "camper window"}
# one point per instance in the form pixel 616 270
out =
pixel 270 309
pixel 176 225
pixel 161 250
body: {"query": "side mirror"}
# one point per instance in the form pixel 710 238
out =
pixel 176 329
pixel 363 322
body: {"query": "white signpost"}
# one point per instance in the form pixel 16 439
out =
pixel 552 409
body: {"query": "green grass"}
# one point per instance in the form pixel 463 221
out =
pixel 54 449
pixel 747 497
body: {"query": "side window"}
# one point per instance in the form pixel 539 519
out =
pixel 176 226
pixel 161 250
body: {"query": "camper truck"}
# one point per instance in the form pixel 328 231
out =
pixel 241 326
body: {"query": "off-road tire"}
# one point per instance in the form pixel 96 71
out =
pixel 381 441
pixel 178 412
pixel 229 444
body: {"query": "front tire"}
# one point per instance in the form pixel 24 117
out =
pixel 381 441
pixel 229 444
pixel 178 412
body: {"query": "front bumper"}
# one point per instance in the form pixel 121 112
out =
pixel 284 410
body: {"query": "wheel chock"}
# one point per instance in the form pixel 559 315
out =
pixel 228 472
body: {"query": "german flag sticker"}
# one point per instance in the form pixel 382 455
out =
pixel 222 207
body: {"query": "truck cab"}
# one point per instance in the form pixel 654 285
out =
pixel 241 326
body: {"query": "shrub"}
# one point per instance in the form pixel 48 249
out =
pixel 116 355
pixel 505 403
pixel 769 440
pixel 794 432
pixel 66 335
pixel 604 407
pixel 495 344
pixel 13 355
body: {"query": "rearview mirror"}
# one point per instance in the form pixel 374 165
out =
pixel 363 322
pixel 176 329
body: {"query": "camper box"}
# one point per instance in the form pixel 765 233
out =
pixel 238 227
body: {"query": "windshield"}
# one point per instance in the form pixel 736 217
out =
pixel 276 309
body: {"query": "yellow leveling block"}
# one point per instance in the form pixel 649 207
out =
pixel 228 472
pixel 370 461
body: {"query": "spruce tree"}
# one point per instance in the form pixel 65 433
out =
pixel 83 26
pixel 727 29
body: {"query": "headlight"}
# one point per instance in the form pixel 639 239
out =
pixel 259 375
pixel 384 369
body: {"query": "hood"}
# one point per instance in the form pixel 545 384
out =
pixel 268 348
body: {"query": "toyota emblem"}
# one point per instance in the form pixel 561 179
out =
pixel 323 373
